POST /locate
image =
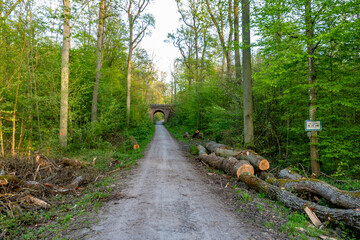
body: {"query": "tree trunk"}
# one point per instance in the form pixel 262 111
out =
pixel 247 82
pixel 288 174
pixel 201 150
pixel 259 162
pixel 349 217
pixel 237 42
pixel 344 199
pixel 229 165
pixel 1 138
pixel 212 146
pixel 64 102
pixel 99 56
pixel 314 152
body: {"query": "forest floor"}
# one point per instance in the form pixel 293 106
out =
pixel 170 195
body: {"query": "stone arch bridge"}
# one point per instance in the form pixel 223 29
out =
pixel 166 109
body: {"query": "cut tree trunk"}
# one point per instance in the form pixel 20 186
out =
pixel 212 146
pixel 350 217
pixel 74 163
pixel 259 162
pixel 134 143
pixel 226 152
pixel 229 165
pixel 201 150
pixel 344 199
pixel 288 174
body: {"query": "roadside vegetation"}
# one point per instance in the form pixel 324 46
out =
pixel 264 212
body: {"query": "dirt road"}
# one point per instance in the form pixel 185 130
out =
pixel 166 199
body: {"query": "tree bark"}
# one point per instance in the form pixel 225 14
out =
pixel 64 102
pixel 247 81
pixel 229 165
pixel 212 146
pixel 314 152
pixel 99 57
pixel 288 174
pixel 259 162
pixel 201 150
pixel 349 217
pixel 344 199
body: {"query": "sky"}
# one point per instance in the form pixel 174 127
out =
pixel 166 21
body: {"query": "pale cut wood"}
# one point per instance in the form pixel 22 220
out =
pixel 74 163
pixel 201 150
pixel 37 201
pixel 349 217
pixel 314 219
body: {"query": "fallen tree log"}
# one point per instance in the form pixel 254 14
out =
pixel 212 146
pixel 226 152
pixel 75 163
pixel 341 198
pixel 201 150
pixel 50 187
pixel 286 173
pixel 259 162
pixel 229 165
pixel 134 143
pixel 350 217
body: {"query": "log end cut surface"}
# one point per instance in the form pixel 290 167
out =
pixel 264 165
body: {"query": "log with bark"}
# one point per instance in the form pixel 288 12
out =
pixel 229 165
pixel 57 189
pixel 341 198
pixel 212 146
pixel 201 150
pixel 350 217
pixel 259 162
pixel 75 163
pixel 226 152
pixel 134 143
pixel 289 174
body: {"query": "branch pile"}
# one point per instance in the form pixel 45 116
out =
pixel 27 183
pixel 242 163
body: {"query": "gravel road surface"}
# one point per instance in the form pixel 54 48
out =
pixel 166 199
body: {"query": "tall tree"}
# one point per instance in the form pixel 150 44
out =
pixel 99 58
pixel 309 24
pixel 223 21
pixel 64 101
pixel 247 81
pixel 138 24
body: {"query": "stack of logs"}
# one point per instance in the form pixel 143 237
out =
pixel 244 164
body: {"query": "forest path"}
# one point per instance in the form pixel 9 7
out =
pixel 166 198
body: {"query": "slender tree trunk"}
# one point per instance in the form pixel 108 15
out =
pixel 247 81
pixel 99 51
pixel 1 138
pixel 237 42
pixel 128 81
pixel 314 152
pixel 64 102
pixel 13 152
